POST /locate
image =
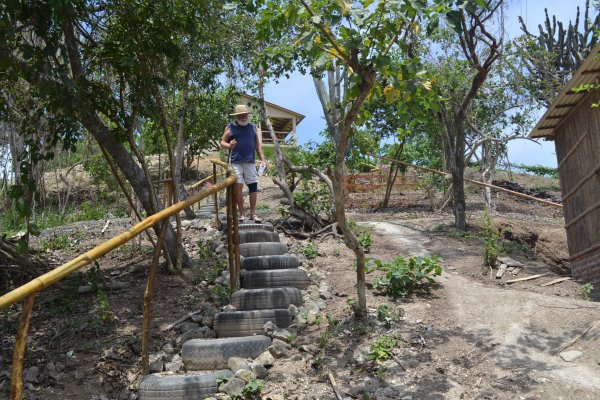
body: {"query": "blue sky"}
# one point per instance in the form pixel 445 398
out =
pixel 298 92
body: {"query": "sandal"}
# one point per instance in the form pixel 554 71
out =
pixel 241 218
pixel 257 219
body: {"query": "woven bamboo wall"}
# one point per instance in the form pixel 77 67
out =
pixel 578 151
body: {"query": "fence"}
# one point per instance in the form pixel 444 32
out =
pixel 28 291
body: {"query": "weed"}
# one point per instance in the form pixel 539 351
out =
pixel 402 277
pixel 328 333
pixel 586 290
pixel 252 389
pixel 221 379
pixel 205 250
pixel 91 212
pixel 459 235
pixel 310 250
pixel 491 240
pixel 388 315
pixel 220 292
pixel 363 233
pixel 262 206
pixel 56 242
pixel 382 348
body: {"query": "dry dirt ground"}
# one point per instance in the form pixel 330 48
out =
pixel 471 337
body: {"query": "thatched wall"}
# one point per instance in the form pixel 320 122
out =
pixel 577 143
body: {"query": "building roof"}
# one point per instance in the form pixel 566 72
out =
pixel 587 73
pixel 281 118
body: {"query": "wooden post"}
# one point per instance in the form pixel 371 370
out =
pixel 216 198
pixel 236 240
pixel 148 296
pixel 230 206
pixel 16 392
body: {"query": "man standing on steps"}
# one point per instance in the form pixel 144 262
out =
pixel 242 141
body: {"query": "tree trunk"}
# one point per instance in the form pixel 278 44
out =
pixel 393 173
pixel 179 152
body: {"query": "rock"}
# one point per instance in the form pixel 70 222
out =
pixel 237 363
pixel 293 310
pixel 124 394
pixel 175 365
pixel 265 359
pixel 360 357
pixel 203 332
pixel 259 370
pixel 233 387
pixel 52 371
pixel 311 307
pixel 570 356
pixel 31 374
pixel 325 290
pixel 156 362
pixel 221 249
pixel 197 318
pixel 282 334
pixel 110 354
pixel 279 349
pixel 229 307
pixel 185 223
pixel 187 326
pixel 389 393
pixel 509 262
pixel 168 348
pixel 311 319
pixel 296 328
pixel 269 327
pixel 221 280
pixel 245 374
pixel 208 314
pixel 300 319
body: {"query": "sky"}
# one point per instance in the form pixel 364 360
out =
pixel 298 93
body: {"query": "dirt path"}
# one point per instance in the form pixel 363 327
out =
pixel 508 337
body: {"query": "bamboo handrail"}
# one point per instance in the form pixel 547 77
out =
pixel 498 188
pixel 79 262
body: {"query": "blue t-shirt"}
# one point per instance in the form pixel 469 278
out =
pixel 245 149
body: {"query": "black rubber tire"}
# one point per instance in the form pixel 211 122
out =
pixel 211 354
pixel 252 236
pixel 266 299
pixel 265 226
pixel 181 387
pixel 296 278
pixel 258 263
pixel 248 323
pixel 262 249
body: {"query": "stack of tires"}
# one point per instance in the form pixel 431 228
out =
pixel 271 281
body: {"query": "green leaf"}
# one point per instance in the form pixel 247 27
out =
pixel 454 18
pixel 316 19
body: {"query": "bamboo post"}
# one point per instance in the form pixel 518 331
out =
pixel 230 206
pixel 236 239
pixel 16 392
pixel 148 296
pixel 216 198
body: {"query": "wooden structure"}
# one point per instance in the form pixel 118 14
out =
pixel 574 125
pixel 284 121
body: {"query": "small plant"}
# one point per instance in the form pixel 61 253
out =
pixel 56 242
pixel 328 333
pixel 252 389
pixel 262 207
pixel 402 277
pixel 491 240
pixel 388 315
pixel 382 349
pixel 586 290
pixel 220 292
pixel 310 250
pixel 366 240
pixel 205 250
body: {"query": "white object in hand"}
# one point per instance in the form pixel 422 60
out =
pixel 261 169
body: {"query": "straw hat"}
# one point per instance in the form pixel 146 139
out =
pixel 241 109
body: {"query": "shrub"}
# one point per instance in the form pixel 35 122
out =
pixel 491 240
pixel 382 349
pixel 586 290
pixel 310 250
pixel 402 277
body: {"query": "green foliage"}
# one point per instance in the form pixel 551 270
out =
pixel 388 315
pixel 382 349
pixel 222 293
pixel 56 242
pixel 208 271
pixel 253 389
pixel 586 290
pixel 205 250
pixel 538 170
pixel 95 166
pixel 310 251
pixel 363 234
pixel 91 212
pixel 402 277
pixel 491 240
pixel 326 335
pixel 314 197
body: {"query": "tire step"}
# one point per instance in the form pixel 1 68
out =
pixel 181 387
pixel 262 249
pixel 248 323
pixel 257 263
pixel 257 235
pixel 212 354
pixel 265 226
pixel 266 299
pixel 275 278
